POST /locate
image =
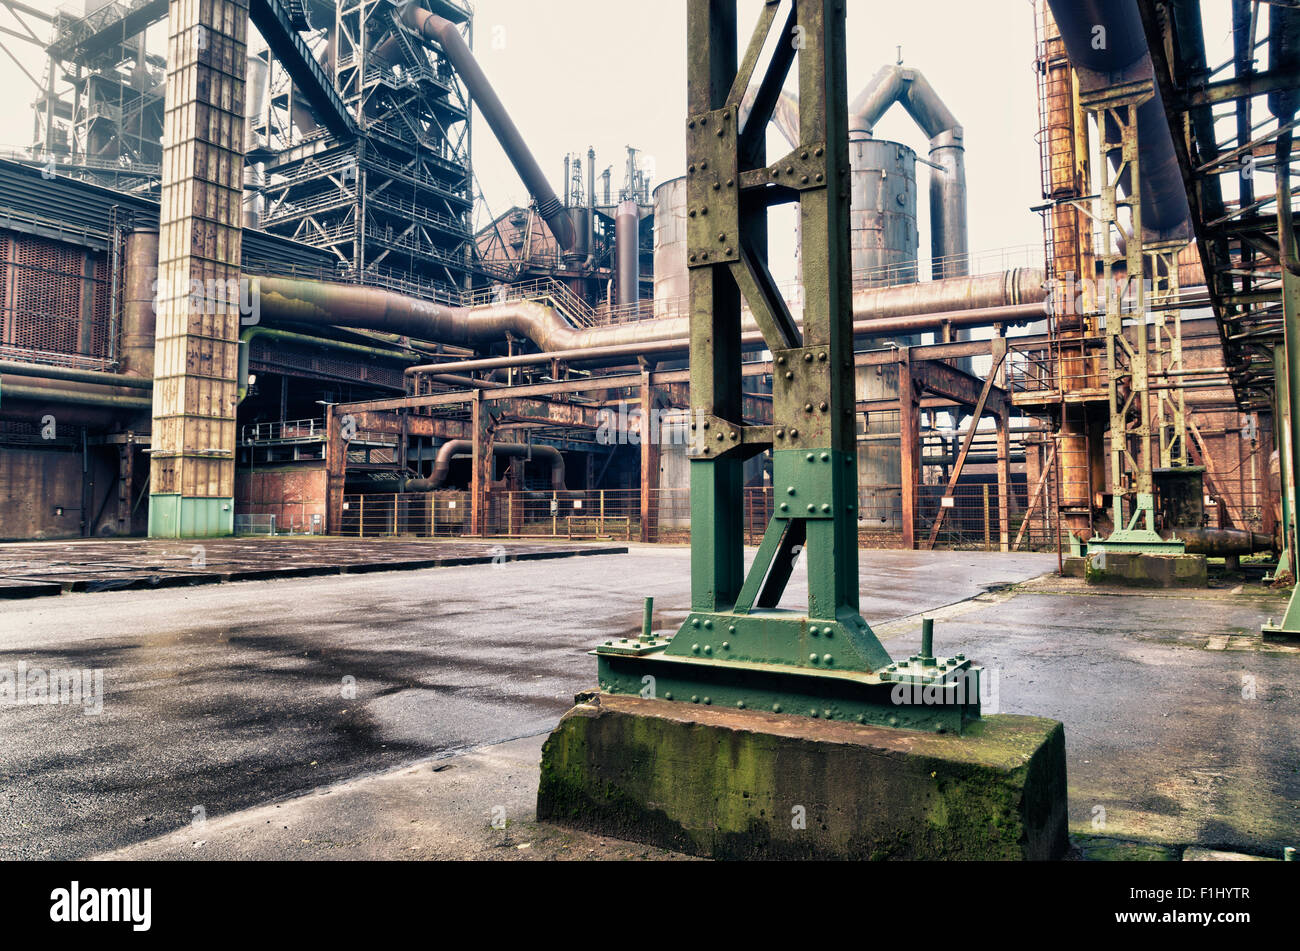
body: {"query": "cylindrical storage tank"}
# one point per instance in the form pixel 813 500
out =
pixel 672 280
pixel 138 293
pixel 885 239
pixel 883 212
pixel 880 459
pixel 627 250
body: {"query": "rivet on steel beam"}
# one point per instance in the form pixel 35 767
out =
pixel 822 356
pixel 811 507
pixel 707 701
pixel 717 186
pixel 823 406
pixel 820 152
pixel 804 156
pixel 731 183
pixel 784 507
pixel 826 457
pixel 780 361
pixel 776 708
pixel 803 180
pixel 810 457
pixel 720 437
pixel 740 704
pixel 789 375
pixel 789 490
pixel 826 507
pixel 794 434
pixel 807 407
pixel 729 250
pixel 807 358
pixel 722 236
pixel 789 169
pixel 780 434
pixel 813 658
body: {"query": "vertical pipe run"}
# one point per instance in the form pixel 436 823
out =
pixel 627 251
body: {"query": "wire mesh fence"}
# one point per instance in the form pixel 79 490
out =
pixel 970 518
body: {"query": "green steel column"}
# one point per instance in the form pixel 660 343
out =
pixel 739 646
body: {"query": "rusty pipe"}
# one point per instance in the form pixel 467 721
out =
pixel 430 26
pixel 1013 297
pixel 462 447
pixel 1223 542
pixel 138 292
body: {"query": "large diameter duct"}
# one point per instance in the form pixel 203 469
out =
pixel 138 294
pixel 1223 542
pixel 912 307
pixel 672 284
pixel 910 88
pixel 443 32
pixel 627 252
pixel 1106 37
pixel 463 447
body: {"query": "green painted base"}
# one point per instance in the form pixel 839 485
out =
pixel 787 663
pixel 1137 541
pixel 174 516
pixel 1273 632
pixel 1289 629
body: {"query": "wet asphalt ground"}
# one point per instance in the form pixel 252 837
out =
pixel 217 699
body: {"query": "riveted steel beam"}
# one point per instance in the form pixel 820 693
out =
pixel 738 646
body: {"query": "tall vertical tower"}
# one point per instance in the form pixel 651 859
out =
pixel 393 204
pixel 192 473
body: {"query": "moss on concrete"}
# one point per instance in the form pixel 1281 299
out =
pixel 742 784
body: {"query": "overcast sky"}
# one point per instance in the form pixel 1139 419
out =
pixel 612 73
pixel 576 73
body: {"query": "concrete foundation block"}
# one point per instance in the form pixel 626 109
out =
pixel 743 784
pixel 1140 570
